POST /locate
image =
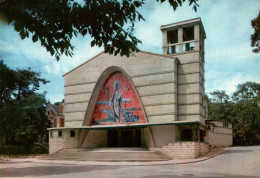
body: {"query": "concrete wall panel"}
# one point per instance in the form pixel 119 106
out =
pixel 191 109
pixel 95 138
pixel 190 89
pixel 77 98
pixel 189 99
pixel 191 68
pixel 73 123
pixel 194 117
pixel 79 88
pixel 222 130
pixel 162 119
pixel 75 107
pixel 159 99
pixel 190 78
pixel 169 88
pixel 155 79
pixel 74 116
pixel 160 110
pixel 220 140
pixel 163 134
pixel 189 57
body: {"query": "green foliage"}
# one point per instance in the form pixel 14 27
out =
pixel 255 37
pixel 220 107
pixel 22 110
pixel 54 23
pixel 242 109
pixel 23 149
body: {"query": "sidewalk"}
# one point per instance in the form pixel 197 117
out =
pixel 211 154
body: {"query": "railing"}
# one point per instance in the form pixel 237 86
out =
pixel 181 47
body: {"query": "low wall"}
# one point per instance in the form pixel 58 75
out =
pixel 220 139
pixel 183 150
pixel 204 148
pixel 57 143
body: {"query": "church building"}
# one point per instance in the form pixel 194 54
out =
pixel 150 100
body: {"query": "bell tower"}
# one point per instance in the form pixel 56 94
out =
pixel 185 40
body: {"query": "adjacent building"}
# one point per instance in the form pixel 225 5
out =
pixel 55 115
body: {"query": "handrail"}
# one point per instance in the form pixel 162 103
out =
pixel 184 42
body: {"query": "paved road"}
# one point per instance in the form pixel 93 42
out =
pixel 238 162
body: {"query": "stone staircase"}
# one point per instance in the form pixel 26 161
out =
pixel 106 154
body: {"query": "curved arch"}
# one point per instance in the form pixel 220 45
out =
pixel 93 99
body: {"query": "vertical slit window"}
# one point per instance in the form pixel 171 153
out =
pixel 60 133
pixel 72 133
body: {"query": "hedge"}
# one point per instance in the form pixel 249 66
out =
pixel 23 150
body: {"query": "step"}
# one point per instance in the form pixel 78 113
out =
pixel 106 154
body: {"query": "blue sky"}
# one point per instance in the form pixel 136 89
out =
pixel 228 54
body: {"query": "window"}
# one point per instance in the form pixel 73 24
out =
pixel 225 124
pixel 72 133
pixel 49 113
pixel 188 33
pixel 51 134
pixel 172 37
pixel 60 133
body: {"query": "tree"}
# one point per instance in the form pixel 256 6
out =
pixel 247 117
pixel 109 22
pixel 255 37
pixel 242 109
pixel 22 110
pixel 220 107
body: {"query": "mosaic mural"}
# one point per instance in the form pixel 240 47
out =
pixel 117 103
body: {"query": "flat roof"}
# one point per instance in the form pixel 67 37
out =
pixel 102 127
pixel 183 24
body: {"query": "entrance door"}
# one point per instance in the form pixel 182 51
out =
pixel 124 138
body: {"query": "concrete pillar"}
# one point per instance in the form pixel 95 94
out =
pixel 180 39
pixel 197 32
pixel 197 36
pixel 164 42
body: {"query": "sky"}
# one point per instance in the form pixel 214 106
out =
pixel 228 54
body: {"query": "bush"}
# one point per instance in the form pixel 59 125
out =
pixel 40 149
pixel 23 150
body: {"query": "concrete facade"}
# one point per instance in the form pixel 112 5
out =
pixel 153 77
pixel 219 133
pixel 170 92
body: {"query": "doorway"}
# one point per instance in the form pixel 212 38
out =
pixel 124 138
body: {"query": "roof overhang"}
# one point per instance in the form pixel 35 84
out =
pixel 119 126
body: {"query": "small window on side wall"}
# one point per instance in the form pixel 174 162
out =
pixel 72 133
pixel 225 124
pixel 51 134
pixel 60 133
